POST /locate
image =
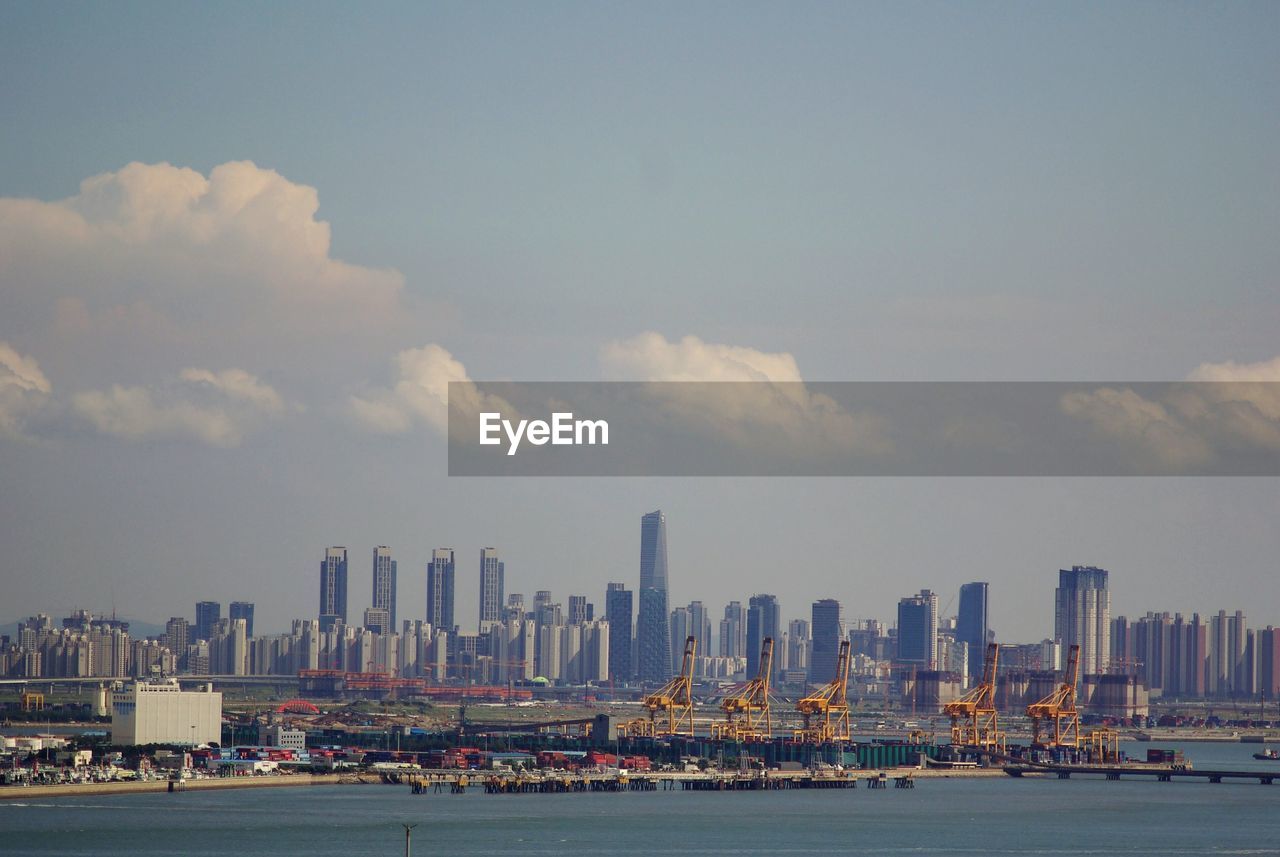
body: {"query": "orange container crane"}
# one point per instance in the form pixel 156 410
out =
pixel 746 712
pixel 830 703
pixel 1059 707
pixel 973 716
pixel 674 699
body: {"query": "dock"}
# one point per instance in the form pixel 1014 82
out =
pixel 568 783
pixel 1160 774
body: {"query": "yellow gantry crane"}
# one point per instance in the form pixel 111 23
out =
pixel 746 712
pixel 830 703
pixel 973 716
pixel 675 699
pixel 1060 708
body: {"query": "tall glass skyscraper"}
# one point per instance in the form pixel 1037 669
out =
pixel 764 619
pixel 618 611
pixel 653 638
pixel 828 630
pixel 971 625
pixel 733 631
pixel 384 582
pixel 207 615
pixel 492 573
pixel 440 590
pixel 1082 615
pixel 243 610
pixel 918 630
pixel 333 588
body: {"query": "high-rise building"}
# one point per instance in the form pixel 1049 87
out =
pixel 492 574
pixel 971 625
pixel 1269 664
pixel 653 637
pixel 700 628
pixel 918 630
pixel 680 629
pixel 1230 667
pixel 514 611
pixel 207 615
pixel 541 599
pixel 177 635
pixel 733 631
pixel 577 609
pixel 764 619
pixel 384 583
pixel 618 612
pixel 243 610
pixel 652 630
pixel 828 630
pixel 440 590
pixel 333 588
pixel 799 647
pixel 1082 615
pixel 377 620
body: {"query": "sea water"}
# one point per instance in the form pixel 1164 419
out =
pixel 939 816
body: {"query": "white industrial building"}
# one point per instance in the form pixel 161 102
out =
pixel 161 712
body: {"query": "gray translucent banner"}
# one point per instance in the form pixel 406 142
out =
pixel 864 429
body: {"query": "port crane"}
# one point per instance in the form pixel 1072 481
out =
pixel 830 703
pixel 1059 708
pixel 746 712
pixel 674 699
pixel 973 716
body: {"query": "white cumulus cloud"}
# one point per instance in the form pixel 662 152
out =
pixel 420 394
pixel 216 408
pixel 770 408
pixel 24 389
pixel 1227 407
pixel 155 260
pixel 651 357
pixel 240 385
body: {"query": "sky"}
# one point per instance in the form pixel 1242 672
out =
pixel 243 249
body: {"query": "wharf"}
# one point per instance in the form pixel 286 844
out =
pixel 1161 774
pixel 670 781
pixel 25 792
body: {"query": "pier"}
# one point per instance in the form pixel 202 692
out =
pixel 570 783
pixel 1161 774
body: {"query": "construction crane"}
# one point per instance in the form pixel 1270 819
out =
pixel 973 716
pixel 1059 707
pixel 675 699
pixel 830 703
pixel 746 712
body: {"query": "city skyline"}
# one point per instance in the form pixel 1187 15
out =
pixel 891 194
pixel 1216 656
pixel 1065 616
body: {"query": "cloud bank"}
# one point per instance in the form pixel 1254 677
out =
pixel 419 397
pixel 24 389
pixel 1228 408
pixel 165 260
pixel 775 412
pixel 215 408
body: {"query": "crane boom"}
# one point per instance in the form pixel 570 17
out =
pixel 830 703
pixel 747 714
pixel 1059 708
pixel 974 721
pixel 674 699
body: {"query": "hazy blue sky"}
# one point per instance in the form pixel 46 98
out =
pixel 922 191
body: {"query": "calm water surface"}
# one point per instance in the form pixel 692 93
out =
pixel 952 817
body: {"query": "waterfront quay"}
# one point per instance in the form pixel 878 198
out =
pixel 577 782
pixel 27 792
pixel 1164 774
